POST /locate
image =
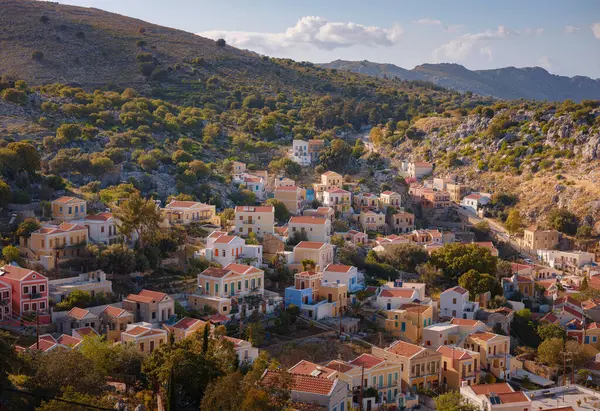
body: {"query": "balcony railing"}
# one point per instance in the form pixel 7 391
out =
pixel 34 296
pixel 4 301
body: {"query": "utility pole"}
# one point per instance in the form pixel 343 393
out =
pixel 37 330
pixel 505 359
pixel 362 379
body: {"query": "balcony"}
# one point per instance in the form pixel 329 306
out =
pixel 35 296
pixel 249 222
pixel 4 301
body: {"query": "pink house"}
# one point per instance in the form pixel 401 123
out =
pixel 29 291
pixel 5 302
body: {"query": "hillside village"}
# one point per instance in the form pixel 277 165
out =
pixel 296 254
pixel 187 225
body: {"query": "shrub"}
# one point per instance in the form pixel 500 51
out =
pixel 37 55
pixel 44 19
pixel 140 43
pixel 14 96
pixel 146 68
pixel 144 57
pixel 80 34
pixel 159 74
pixel 221 43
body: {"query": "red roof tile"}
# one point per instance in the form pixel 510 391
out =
pixel 187 322
pixel 316 245
pixel 17 273
pixel 498 388
pixel 512 397
pixel 158 296
pixel 398 293
pixel 338 268
pixel 254 209
pixel 78 313
pixel 308 220
pixel 404 349
pixel 457 289
pixel 302 383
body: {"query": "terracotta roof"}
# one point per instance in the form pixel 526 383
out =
pixel 414 308
pixel 307 274
pixel 218 318
pixel 340 366
pixel 484 336
pixel 137 330
pixel 457 289
pixel 99 217
pixel 114 311
pixel 66 199
pixel 512 397
pixel 316 245
pixel 310 368
pixel 592 326
pixel 287 188
pixel 572 311
pixel 17 273
pixel 158 296
pixel 301 383
pixel 182 204
pixel 404 349
pixel 216 234
pixel 85 331
pixel 568 299
pixel 254 209
pixel 139 298
pixel 337 191
pixel 308 220
pixel 252 179
pixel 235 341
pixel 241 268
pixel 68 340
pixel 550 317
pixel 397 293
pixel 498 388
pixel 388 193
pixel 187 322
pixel 473 197
pixel 215 272
pixel 366 360
pixel 45 344
pixel 329 173
pixel 78 313
pixel 338 268
pixel 463 321
pixel 453 352
pixel 225 239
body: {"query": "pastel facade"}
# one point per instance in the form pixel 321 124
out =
pixel 402 222
pixel 474 202
pixel 78 318
pixel 186 327
pixel 338 199
pixel 499 396
pixel 454 302
pixel 355 238
pixel 93 282
pixel 102 228
pixel 390 298
pixel 300 153
pixel 258 220
pixel 451 332
pixel 226 249
pixel 390 199
pixel 457 191
pixel 344 274
pixel 316 298
pixel 292 197
pixel 494 350
pixel 459 367
pixel 371 220
pixel 5 302
pixel 28 292
pixel 366 202
pixel 246 353
pixel 565 259
pixel 319 252
pixel 68 208
pixel 518 283
pixel 144 337
pixel 316 229
pixel 408 321
pixel 114 320
pixel 53 244
pixel 535 239
pixel 150 306
pixel 238 167
pixel 329 181
pixel 419 169
pixel 187 212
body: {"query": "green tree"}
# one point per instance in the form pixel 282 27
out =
pixel 27 154
pixel 5 193
pixel 563 220
pixel 281 212
pixel 308 265
pixel 138 215
pixel 11 253
pixel 514 222
pixel 28 226
pixel 225 393
pixel 477 283
pixel 548 331
pixel 78 298
pixel 69 394
pixel 454 259
pixel 453 401
pixel 549 351
pixel 404 257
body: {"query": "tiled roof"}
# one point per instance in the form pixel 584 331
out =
pixel 592 326
pixel 287 188
pixel 187 322
pixel 512 397
pixel 17 273
pixel 389 193
pixel 307 274
pixel 568 299
pixel 484 336
pixel 414 308
pixel 464 321
pixel 182 204
pixel 235 341
pixel 337 191
pixel 572 311
pixel 45 344
pixel 225 239
pixel 158 296
pixel 68 340
pixel 457 289
pixel 137 330
pixel 330 173
pixel 473 197
pixel 215 272
pixel 398 293
pixel 78 313
pixel 254 209
pixel 99 217
pixel 315 245
pixel 66 199
pixel 550 317
pixel 308 220
pixel 453 352
pixel 139 298
pixel 366 360
pixel 338 268
pixel 340 366
pixel 310 368
pixel 85 331
pixel 301 383
pixel 241 268
pixel 62 228
pixel 498 388
pixel 114 311
pixel 404 349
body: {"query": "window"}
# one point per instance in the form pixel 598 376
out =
pixel 454 301
pixel 216 288
pixel 42 288
pixel 153 315
pixel 142 347
pixel 207 287
pixel 403 326
pixel 102 229
pixel 239 285
pixel 25 307
pixel 225 287
pixel 26 289
pixel 42 305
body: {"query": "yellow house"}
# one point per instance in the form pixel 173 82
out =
pixel 334 292
pixel 54 244
pixel 494 350
pixel 459 365
pixel 319 252
pixel 329 180
pixel 535 239
pixel 408 321
pixel 370 220
pixel 402 222
pixel 145 338
pixel 390 199
pixel 258 220
pixel 592 334
pixel 114 321
pixel 186 327
pixel 187 212
pixel 379 373
pixel 420 367
pixel 68 208
pixel 291 196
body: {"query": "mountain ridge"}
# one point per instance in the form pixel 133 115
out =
pixel 504 83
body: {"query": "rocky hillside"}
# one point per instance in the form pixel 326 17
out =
pixel 530 83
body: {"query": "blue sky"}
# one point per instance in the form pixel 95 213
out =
pixel 562 36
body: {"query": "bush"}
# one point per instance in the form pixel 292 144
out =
pixel 44 19
pixel 563 220
pixel 140 43
pixel 37 55
pixel 15 96
pixel 221 43
pixel 144 57
pixel 147 68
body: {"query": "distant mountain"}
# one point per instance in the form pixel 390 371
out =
pixel 505 83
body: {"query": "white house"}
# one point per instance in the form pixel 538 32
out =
pixel 392 298
pixel 454 302
pixel 226 249
pixel 245 351
pixel 316 228
pixel 258 220
pixel 102 227
pixel 300 152
pixel 344 274
pixel 475 201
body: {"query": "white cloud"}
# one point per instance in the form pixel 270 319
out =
pixel 461 47
pixel 547 62
pixel 529 30
pixel 596 30
pixel 312 31
pixel 571 29
pixel 486 51
pixel 431 22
